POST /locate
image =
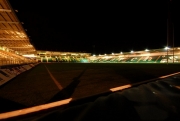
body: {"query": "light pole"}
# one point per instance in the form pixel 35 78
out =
pixel 170 27
pixel 167 49
pixel 173 43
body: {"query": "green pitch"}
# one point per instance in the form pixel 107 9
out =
pixel 36 86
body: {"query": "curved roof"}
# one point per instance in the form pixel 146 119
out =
pixel 12 33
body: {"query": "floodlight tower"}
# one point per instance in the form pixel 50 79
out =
pixel 170 28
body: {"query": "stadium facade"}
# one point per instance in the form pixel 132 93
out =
pixel 164 55
pixel 14 41
pixel 16 48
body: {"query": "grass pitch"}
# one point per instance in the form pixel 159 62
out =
pixel 36 86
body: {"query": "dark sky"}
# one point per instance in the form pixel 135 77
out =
pixel 96 27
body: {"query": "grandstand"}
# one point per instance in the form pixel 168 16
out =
pixel 14 44
pixel 164 55
pixel 14 41
pixel 52 56
pixel 16 48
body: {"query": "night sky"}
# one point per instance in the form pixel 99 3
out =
pixel 97 27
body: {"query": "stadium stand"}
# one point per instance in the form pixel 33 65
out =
pixel 14 44
pixel 152 56
pixel 52 56
pixel 14 41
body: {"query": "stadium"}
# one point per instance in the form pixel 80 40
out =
pixel 52 85
pixel 164 55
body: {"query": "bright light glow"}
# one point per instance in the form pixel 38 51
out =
pixel 112 53
pixel 177 87
pixel 94 55
pixel 34 109
pixel 146 50
pixel 121 52
pixel 166 48
pixel 29 45
pixel 146 54
pixel 30 55
pixel 120 88
pixel 132 51
pixel 106 57
pixel 169 75
pixel 104 54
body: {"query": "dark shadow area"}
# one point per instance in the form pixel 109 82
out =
pixel 110 108
pixel 135 75
pixel 68 91
pixel 157 100
pixel 159 108
pixel 8 105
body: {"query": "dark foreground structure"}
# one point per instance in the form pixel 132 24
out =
pixel 153 101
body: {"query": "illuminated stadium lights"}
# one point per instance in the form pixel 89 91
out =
pixel 30 55
pixel 146 50
pixel 166 48
pixel 100 55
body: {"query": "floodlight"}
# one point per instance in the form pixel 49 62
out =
pixel 166 48
pixel 146 50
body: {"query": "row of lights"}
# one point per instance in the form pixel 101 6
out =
pixel 21 22
pixel 166 48
pixel 24 29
